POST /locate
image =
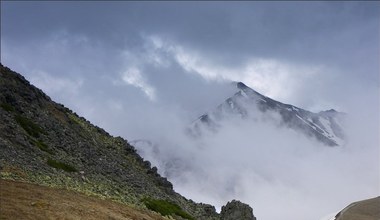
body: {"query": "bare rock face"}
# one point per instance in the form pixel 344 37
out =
pixel 236 210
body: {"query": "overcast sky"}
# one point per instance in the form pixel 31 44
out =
pixel 140 69
pixel 302 53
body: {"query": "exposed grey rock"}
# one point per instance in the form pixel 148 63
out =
pixel 236 210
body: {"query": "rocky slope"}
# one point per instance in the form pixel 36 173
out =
pixel 46 143
pixel 236 210
pixel 324 126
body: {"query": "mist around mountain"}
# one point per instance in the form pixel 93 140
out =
pixel 272 155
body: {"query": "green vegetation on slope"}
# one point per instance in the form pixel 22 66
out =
pixel 30 127
pixel 60 165
pixel 42 146
pixel 166 208
pixel 7 107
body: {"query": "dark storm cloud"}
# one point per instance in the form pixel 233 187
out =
pixel 226 30
pixel 339 36
pixel 304 53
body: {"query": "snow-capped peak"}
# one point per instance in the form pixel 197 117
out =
pixel 325 126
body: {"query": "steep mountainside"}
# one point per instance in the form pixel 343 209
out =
pixel 45 143
pixel 325 126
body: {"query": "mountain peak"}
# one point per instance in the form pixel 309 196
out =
pixel 330 111
pixel 325 126
pixel 241 85
pixel 245 88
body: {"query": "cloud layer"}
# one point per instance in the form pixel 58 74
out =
pixel 274 168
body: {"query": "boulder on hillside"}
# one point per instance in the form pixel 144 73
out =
pixel 236 210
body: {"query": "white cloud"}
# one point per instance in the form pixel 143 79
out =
pixel 272 168
pixel 133 76
pixel 55 85
pixel 277 79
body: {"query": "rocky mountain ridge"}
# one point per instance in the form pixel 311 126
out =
pixel 325 126
pixel 46 143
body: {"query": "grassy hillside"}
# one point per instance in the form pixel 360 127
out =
pixel 363 210
pixel 20 200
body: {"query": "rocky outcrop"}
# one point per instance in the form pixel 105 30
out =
pixel 236 210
